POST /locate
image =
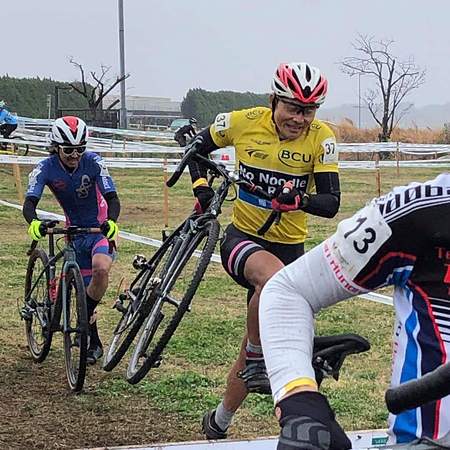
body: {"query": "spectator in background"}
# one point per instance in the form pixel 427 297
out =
pixel 186 132
pixel 8 123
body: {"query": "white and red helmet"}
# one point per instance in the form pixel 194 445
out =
pixel 301 82
pixel 69 130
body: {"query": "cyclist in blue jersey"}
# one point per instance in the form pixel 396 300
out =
pixel 86 192
pixel 8 122
pixel 400 239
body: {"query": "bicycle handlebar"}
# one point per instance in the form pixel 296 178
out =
pixel 182 165
pixel 70 230
pixel 219 169
pixel 432 386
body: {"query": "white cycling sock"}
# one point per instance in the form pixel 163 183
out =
pixel 223 417
pixel 253 352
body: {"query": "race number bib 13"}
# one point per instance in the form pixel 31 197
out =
pixel 358 238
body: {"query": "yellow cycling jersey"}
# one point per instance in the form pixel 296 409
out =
pixel 268 162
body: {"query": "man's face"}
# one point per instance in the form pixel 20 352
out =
pixel 70 156
pixel 292 118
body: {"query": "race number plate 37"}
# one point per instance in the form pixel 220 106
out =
pixel 358 238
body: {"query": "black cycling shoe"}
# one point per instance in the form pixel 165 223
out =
pixel 210 428
pixel 94 354
pixel 255 377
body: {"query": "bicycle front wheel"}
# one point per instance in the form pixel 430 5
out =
pixel 172 298
pixel 36 310
pixel 136 305
pixel 75 329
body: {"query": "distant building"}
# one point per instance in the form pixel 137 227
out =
pixel 146 112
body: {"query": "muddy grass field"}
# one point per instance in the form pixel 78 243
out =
pixel 38 411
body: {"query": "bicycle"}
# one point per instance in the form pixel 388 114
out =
pixel 50 297
pixel 161 293
pixel 13 146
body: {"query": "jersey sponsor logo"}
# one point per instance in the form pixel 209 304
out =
pixel 32 177
pixel 255 153
pixel 315 126
pixel 330 151
pixel 222 122
pixel 254 114
pixel 103 169
pixel 260 142
pixel 336 268
pixel 85 184
pixel 443 254
pixel 410 195
pixel 59 185
pixel 270 180
pixel 294 159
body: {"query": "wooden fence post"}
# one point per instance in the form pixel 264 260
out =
pixel 18 182
pixel 397 158
pixel 377 172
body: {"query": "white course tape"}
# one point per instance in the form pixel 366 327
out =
pixel 158 163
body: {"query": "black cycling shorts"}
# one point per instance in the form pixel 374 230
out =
pixel 236 246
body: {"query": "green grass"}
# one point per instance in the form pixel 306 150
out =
pixel 192 376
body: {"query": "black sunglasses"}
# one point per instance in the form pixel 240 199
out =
pixel 69 149
pixel 298 108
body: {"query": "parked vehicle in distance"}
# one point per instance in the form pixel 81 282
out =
pixel 178 123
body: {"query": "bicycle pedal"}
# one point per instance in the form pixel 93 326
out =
pixel 157 363
pixel 154 281
pixel 26 313
pixel 118 304
pixel 139 261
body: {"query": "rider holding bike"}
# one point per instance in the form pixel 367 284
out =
pixel 8 123
pixel 400 239
pixel 286 151
pixel 83 187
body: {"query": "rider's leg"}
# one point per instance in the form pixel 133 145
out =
pixel 288 303
pixel 101 265
pixel 259 267
pixel 95 259
pixel 3 132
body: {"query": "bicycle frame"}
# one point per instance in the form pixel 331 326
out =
pixel 69 257
pixel 69 262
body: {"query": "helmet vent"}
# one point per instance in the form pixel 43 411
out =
pixel 307 73
pixel 279 86
pixel 291 85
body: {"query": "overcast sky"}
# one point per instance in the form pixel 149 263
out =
pixel 174 45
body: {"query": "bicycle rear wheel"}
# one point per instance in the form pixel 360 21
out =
pixel 37 306
pixel 172 298
pixel 75 330
pixel 137 307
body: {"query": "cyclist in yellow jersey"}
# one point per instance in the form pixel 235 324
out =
pixel 287 152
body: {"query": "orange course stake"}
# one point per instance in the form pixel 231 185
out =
pixel 18 182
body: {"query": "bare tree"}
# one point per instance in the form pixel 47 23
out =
pixel 95 92
pixel 394 80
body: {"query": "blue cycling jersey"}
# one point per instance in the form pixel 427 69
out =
pixel 7 117
pixel 79 193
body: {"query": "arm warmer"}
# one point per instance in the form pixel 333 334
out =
pixel 208 145
pixel 327 200
pixel 29 208
pixel 113 205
